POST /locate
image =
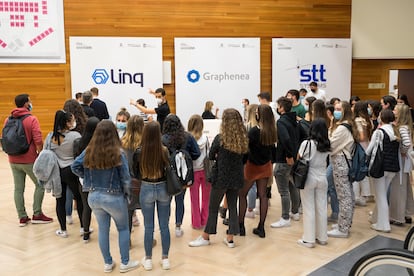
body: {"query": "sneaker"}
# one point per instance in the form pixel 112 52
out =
pixel 281 223
pixel 165 264
pixel 408 220
pixel 179 232
pixel 131 265
pixel 360 201
pixel 374 227
pixel 24 221
pixel 396 223
pixel 306 244
pixel 82 231
pixel 69 220
pixel 250 214
pixel 335 226
pixel 336 233
pixel 86 237
pixel 230 244
pixel 147 264
pixel 321 242
pixel 109 267
pixel 41 219
pixel 61 233
pixel 295 217
pixel 200 241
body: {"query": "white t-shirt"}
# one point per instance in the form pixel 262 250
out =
pixel 317 159
pixel 319 95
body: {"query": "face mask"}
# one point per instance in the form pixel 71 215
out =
pixel 73 126
pixel 337 115
pixel 159 101
pixel 313 90
pixel 30 107
pixel 306 107
pixel 369 111
pixel 278 112
pixel 301 98
pixel 121 125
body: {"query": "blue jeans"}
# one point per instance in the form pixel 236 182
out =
pixel 332 192
pixel 69 201
pixel 106 206
pixel 251 197
pixel 151 194
pixel 179 208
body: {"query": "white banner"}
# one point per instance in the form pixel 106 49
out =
pixel 297 62
pixel 221 70
pixel 122 68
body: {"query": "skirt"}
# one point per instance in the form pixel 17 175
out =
pixel 254 172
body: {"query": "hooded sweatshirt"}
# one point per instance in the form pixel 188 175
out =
pixel 203 144
pixel 33 135
pixel 288 137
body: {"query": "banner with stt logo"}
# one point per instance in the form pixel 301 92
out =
pixel 122 68
pixel 297 62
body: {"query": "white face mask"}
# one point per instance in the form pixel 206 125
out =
pixel 306 107
pixel 159 101
pixel 73 126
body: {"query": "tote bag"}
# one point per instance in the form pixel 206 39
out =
pixel 300 169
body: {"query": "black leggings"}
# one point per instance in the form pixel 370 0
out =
pixel 68 179
pixel 87 211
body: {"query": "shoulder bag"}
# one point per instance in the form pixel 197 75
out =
pixel 300 169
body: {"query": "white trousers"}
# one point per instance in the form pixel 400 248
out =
pixel 381 212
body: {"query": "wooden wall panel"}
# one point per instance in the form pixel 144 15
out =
pixel 49 84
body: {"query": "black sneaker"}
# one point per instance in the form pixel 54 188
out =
pixel 86 236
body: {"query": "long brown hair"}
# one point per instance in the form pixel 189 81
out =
pixel 347 116
pixel 104 149
pixel 268 134
pixel 233 133
pixel 361 110
pixel 154 156
pixel 251 116
pixel 132 137
pixel 195 126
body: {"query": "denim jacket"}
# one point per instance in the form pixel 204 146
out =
pixel 116 180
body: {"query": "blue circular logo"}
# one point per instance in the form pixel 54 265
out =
pixel 100 76
pixel 193 76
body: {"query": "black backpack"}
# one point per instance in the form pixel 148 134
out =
pixel 179 158
pixel 14 141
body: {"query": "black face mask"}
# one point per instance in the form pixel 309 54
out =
pixel 313 90
pixel 278 112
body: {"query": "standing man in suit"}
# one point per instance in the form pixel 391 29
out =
pixel 99 106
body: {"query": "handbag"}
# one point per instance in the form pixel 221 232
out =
pixel 174 186
pixel 300 169
pixel 208 164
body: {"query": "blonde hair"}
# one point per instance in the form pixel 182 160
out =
pixel 208 106
pixel 132 137
pixel 195 126
pixel 251 116
pixel 233 133
pixel 404 117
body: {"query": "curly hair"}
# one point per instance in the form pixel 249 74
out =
pixel 233 133
pixel 174 131
pixel 74 107
pixel 132 137
pixel 104 149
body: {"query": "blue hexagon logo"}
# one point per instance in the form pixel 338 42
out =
pixel 100 76
pixel 193 76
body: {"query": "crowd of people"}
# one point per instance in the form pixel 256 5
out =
pixel 99 159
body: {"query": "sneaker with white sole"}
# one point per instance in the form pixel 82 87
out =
pixel 321 242
pixel 230 244
pixel 374 227
pixel 250 214
pixel 306 244
pixel 61 233
pixel 295 217
pixel 335 226
pixel 82 231
pixel 147 264
pixel 179 232
pixel 131 265
pixel 165 264
pixel 281 223
pixel 336 233
pixel 69 219
pixel 200 241
pixel 109 267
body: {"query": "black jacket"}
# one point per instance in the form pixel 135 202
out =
pixel 287 136
pixel 100 109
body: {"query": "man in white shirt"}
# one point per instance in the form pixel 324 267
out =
pixel 264 98
pixel 316 92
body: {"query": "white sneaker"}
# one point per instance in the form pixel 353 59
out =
pixel 230 244
pixel 281 223
pixel 147 264
pixel 374 227
pixel 250 214
pixel 335 226
pixel 69 219
pixel 295 217
pixel 336 233
pixel 200 241
pixel 131 265
pixel 62 234
pixel 306 244
pixel 165 264
pixel 179 232
pixel 109 267
pixel 82 231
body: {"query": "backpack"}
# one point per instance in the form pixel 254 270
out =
pixel 14 141
pixel 358 169
pixel 182 165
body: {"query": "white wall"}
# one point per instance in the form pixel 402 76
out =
pixel 382 29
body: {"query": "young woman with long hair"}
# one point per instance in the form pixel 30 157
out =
pixel 401 192
pixel 174 137
pixel 262 139
pixel 342 142
pixel 149 166
pixel 208 111
pixel 121 121
pixel 62 139
pixel 313 196
pixel 104 167
pixel 228 149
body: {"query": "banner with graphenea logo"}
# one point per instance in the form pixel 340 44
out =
pixel 122 68
pixel 298 61
pixel 221 70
